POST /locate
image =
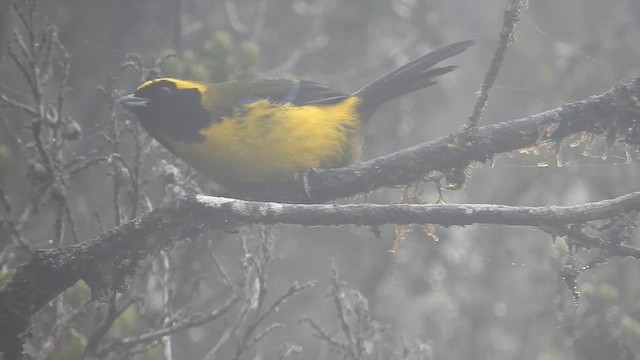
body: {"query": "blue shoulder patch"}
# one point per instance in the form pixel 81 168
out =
pixel 247 101
pixel 292 93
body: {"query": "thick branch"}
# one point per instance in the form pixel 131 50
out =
pixel 614 113
pixel 105 261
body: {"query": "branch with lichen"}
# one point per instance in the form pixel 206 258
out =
pixel 613 115
pixel 106 261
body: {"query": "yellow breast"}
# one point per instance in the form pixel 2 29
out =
pixel 264 142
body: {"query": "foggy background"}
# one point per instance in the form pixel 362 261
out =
pixel 480 292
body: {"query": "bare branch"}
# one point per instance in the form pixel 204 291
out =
pixel 337 293
pixel 248 339
pixel 18 105
pixel 511 18
pixel 5 217
pixel 189 322
pixel 324 336
pixel 105 261
pixel 612 112
pixel 223 273
pixel 100 331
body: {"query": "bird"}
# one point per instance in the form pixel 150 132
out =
pixel 267 131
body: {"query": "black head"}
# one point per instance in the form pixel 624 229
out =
pixel 170 108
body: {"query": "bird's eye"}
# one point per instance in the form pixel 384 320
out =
pixel 164 91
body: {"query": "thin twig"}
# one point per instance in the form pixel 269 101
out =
pixel 18 105
pixel 167 300
pixel 292 291
pixel 189 322
pixel 7 221
pixel 324 336
pixel 263 334
pixel 234 19
pixel 100 331
pixel 221 270
pixel 337 294
pixel 59 328
pixel 511 18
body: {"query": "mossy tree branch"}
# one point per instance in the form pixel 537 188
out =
pixel 615 114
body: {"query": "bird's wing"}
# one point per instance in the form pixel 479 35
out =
pixel 281 91
pixel 309 92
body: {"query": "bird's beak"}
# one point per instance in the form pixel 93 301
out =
pixel 134 103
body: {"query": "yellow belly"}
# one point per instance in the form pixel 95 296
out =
pixel 265 143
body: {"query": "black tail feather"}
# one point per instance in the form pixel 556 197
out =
pixel 410 77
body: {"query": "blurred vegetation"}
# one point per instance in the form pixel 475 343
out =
pixel 483 292
pixel 218 60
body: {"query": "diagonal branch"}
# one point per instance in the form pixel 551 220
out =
pixel 190 321
pixel 510 19
pixel 613 113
